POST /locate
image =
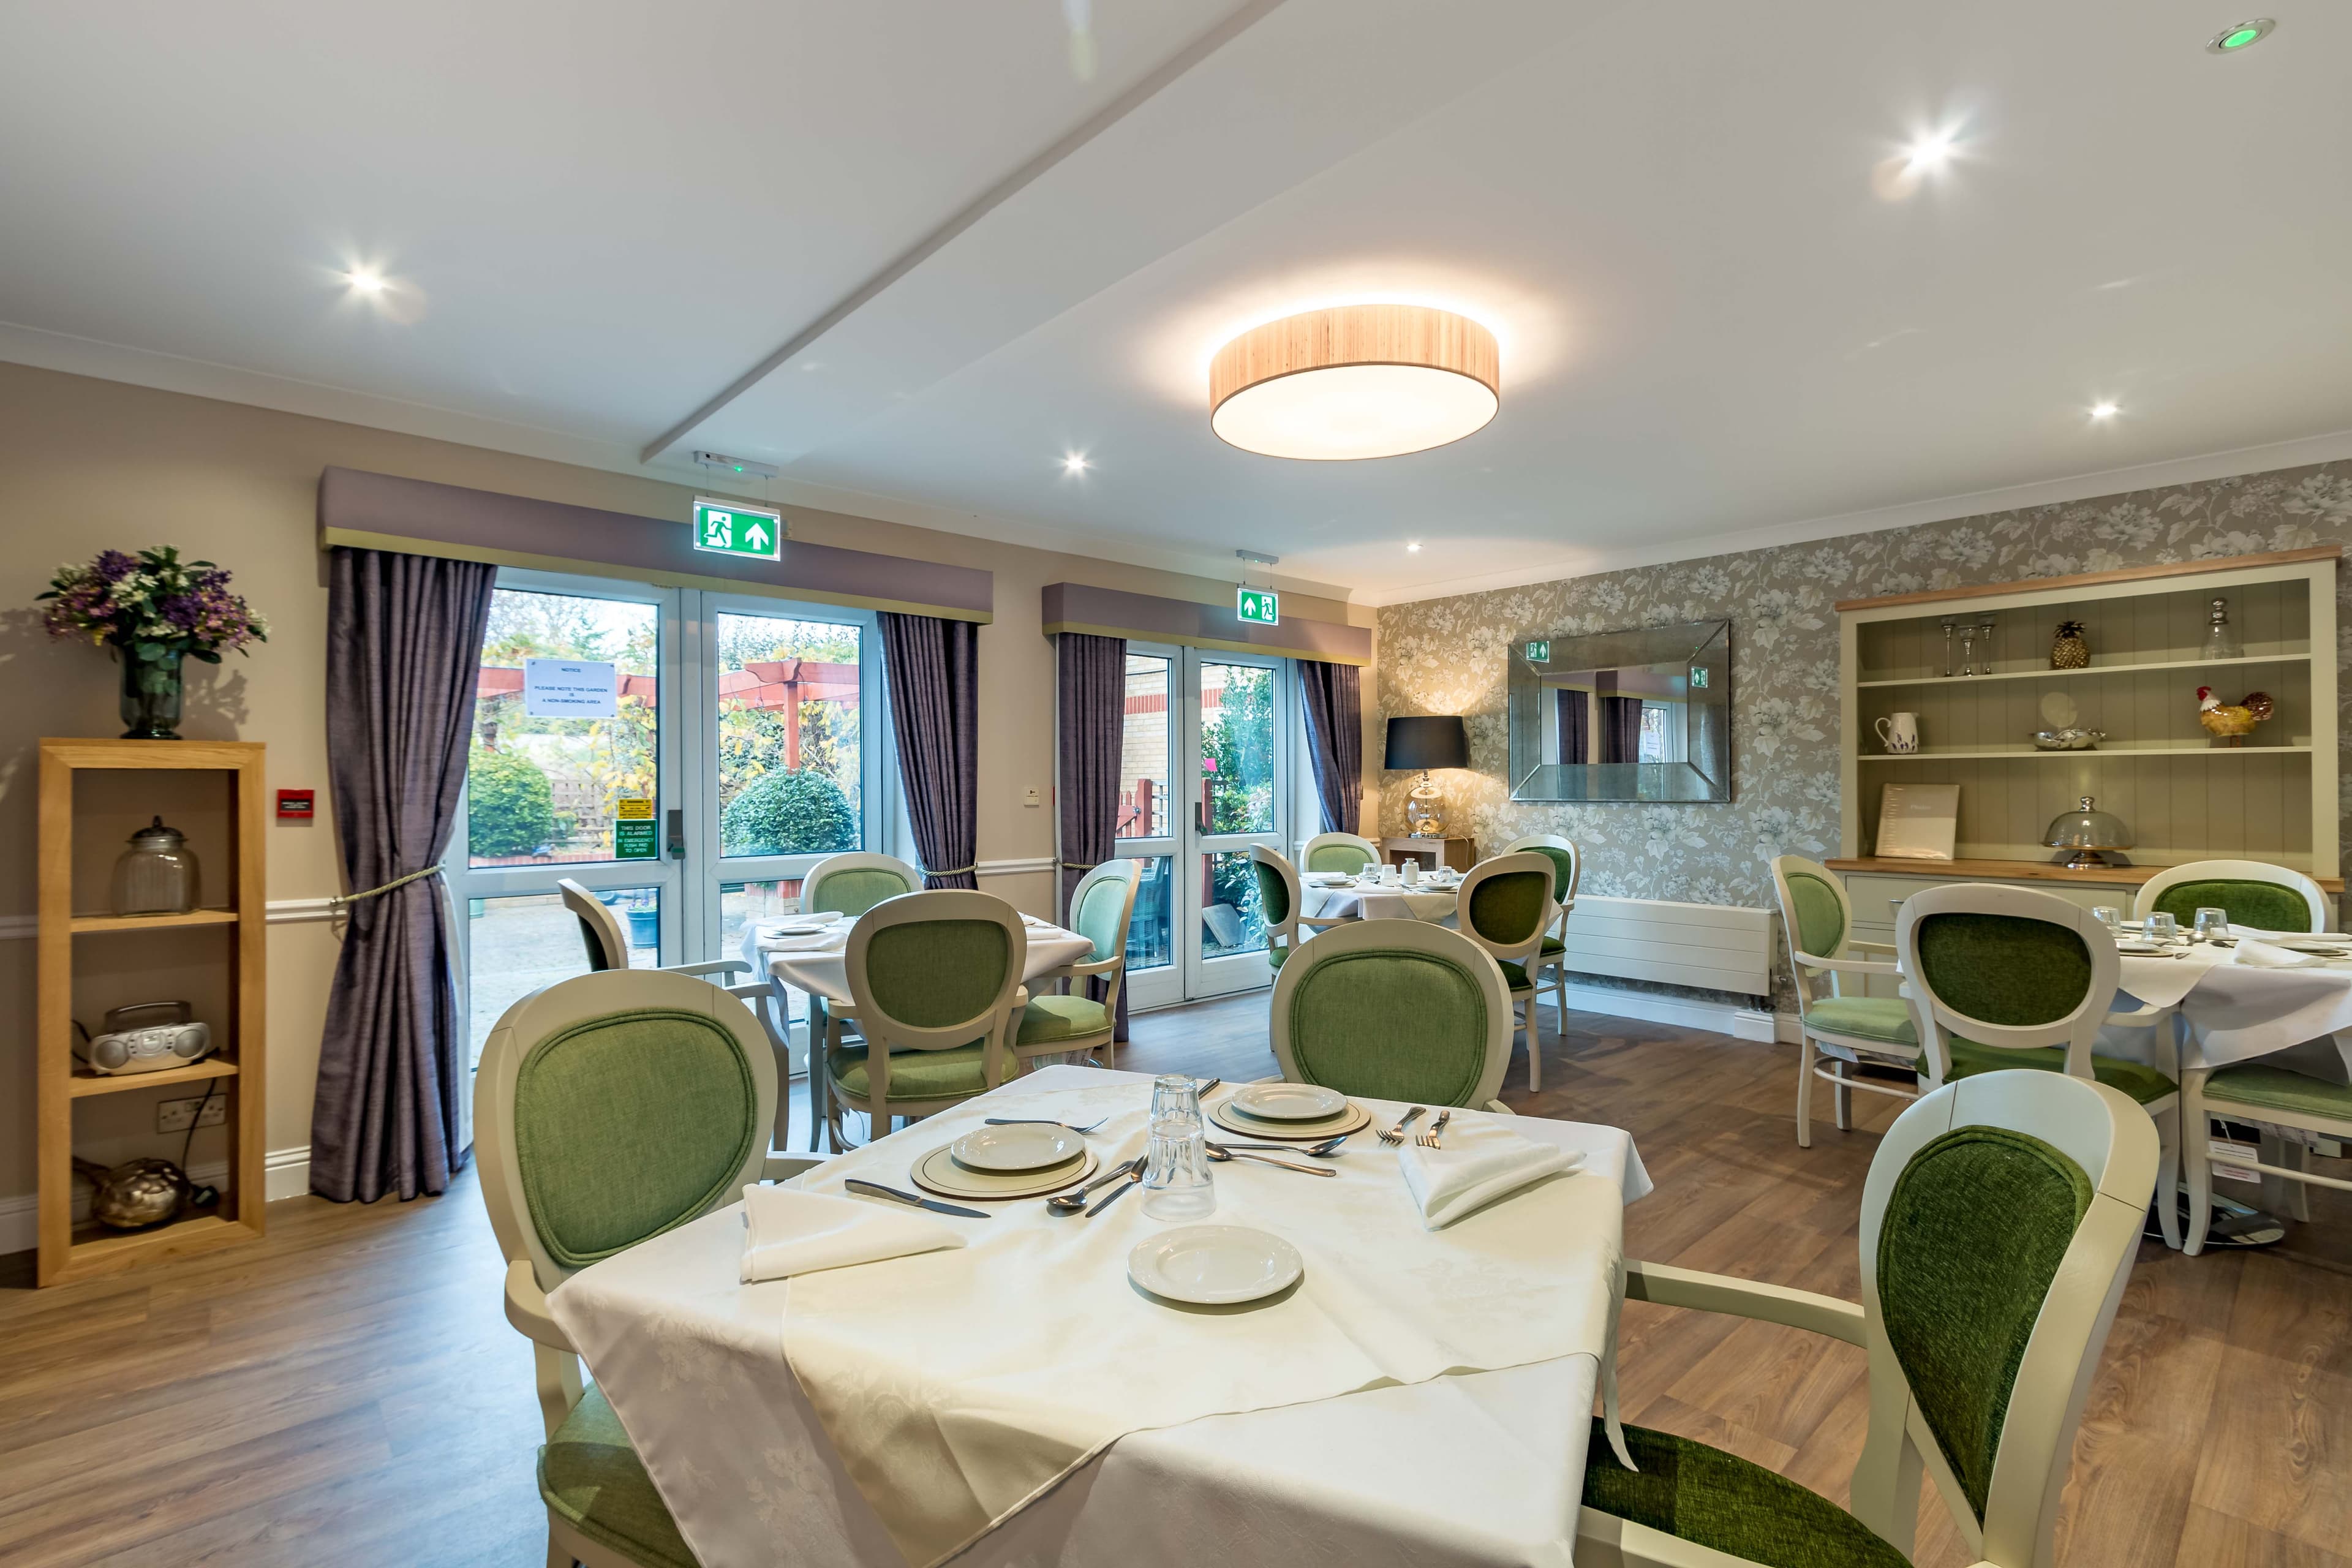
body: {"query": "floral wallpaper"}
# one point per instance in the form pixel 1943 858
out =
pixel 1447 656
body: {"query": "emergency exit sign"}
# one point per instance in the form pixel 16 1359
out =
pixel 730 528
pixel 1539 652
pixel 1259 606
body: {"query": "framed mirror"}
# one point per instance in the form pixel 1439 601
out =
pixel 1641 715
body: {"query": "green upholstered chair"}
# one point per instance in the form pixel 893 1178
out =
pixel 2257 894
pixel 1395 1010
pixel 607 1109
pixel 1505 905
pixel 2010 977
pixel 1567 870
pixel 608 948
pixel 1845 1029
pixel 1062 1024
pixel 1339 852
pixel 2288 1109
pixel 1279 899
pixel 1999 1225
pixel 935 978
pixel 846 884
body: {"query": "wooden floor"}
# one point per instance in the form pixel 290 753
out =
pixel 347 1391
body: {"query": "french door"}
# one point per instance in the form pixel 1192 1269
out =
pixel 1206 772
pixel 684 755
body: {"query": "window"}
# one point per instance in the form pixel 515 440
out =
pixel 790 758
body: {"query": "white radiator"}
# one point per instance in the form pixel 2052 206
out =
pixel 1717 947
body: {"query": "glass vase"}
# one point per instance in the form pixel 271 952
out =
pixel 151 696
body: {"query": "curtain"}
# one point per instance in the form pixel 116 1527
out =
pixel 1621 728
pixel 404 640
pixel 1332 696
pixel 1575 730
pixel 933 667
pixel 1091 699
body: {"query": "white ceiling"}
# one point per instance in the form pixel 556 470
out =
pixel 1713 327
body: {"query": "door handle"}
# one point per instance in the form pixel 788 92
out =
pixel 675 826
pixel 1200 818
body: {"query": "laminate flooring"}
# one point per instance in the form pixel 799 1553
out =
pixel 347 1391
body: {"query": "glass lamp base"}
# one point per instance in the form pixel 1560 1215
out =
pixel 1424 814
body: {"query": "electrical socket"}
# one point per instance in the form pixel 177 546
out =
pixel 176 1115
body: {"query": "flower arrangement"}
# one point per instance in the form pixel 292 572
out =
pixel 155 610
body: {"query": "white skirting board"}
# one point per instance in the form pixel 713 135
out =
pixel 286 1173
pixel 1710 947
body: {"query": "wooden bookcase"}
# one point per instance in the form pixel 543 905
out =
pixel 94 793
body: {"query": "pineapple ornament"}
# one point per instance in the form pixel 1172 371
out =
pixel 2068 651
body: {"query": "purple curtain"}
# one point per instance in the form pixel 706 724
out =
pixel 1621 728
pixel 1575 731
pixel 933 667
pixel 1332 696
pixel 404 641
pixel 1091 699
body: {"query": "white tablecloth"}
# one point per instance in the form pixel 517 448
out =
pixel 2230 1013
pixel 1376 900
pixel 1483 1469
pixel 824 972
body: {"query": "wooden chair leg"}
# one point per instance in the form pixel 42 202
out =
pixel 1806 1058
pixel 2167 1176
pixel 2197 1154
pixel 1843 1097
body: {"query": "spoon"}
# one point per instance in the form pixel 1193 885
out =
pixel 1223 1151
pixel 1134 1179
pixel 1071 1203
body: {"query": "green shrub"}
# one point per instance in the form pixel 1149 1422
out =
pixel 509 808
pixel 788 812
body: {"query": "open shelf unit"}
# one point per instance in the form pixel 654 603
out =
pixel 92 794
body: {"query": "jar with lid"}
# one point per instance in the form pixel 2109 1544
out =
pixel 157 875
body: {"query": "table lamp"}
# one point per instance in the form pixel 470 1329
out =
pixel 1426 740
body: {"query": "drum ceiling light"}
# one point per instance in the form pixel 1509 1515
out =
pixel 1355 380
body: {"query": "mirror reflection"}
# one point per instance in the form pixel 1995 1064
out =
pixel 1641 715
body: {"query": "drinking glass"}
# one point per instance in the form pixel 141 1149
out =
pixel 2108 916
pixel 1176 1095
pixel 2162 927
pixel 1177 1181
pixel 2213 922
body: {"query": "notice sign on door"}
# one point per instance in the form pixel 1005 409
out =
pixel 569 688
pixel 632 828
pixel 730 528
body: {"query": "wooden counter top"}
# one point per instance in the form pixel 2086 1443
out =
pixel 2022 872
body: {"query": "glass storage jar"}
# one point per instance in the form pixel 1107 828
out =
pixel 157 875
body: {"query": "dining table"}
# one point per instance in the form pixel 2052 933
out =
pixel 1329 896
pixel 2232 1011
pixel 1417 1396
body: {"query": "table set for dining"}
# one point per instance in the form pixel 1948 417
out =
pixel 1261 1315
pixel 1379 894
pixel 809 951
pixel 2242 993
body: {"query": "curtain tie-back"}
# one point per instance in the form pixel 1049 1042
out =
pixel 344 899
pixel 953 870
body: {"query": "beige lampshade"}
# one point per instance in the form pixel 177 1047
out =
pixel 1355 380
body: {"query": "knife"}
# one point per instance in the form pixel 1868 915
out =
pixel 875 1189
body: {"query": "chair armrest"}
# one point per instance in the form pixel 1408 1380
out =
pixel 784 1167
pixel 1084 969
pixel 1870 946
pixel 1499 1109
pixel 2140 1019
pixel 715 966
pixel 527 1309
pixel 1671 1287
pixel 1326 920
pixel 1845 965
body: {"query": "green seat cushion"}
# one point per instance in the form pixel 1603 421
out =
pixel 1393 1024
pixel 2144 1084
pixel 2265 906
pixel 1972 1235
pixel 589 1474
pixel 1276 955
pixel 629 1123
pixel 1049 1018
pixel 1715 1500
pixel 1515 976
pixel 1865 1017
pixel 2279 1089
pixel 917 1075
pixel 1552 944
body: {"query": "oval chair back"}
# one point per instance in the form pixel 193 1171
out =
pixel 1396 1010
pixel 932 974
pixel 2008 968
pixel 2266 897
pixel 1567 864
pixel 600 928
pixel 612 1107
pixel 851 884
pixel 1505 905
pixel 1817 913
pixel 1278 898
pixel 1102 906
pixel 1984 1320
pixel 1339 852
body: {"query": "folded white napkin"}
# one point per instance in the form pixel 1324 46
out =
pixel 799 941
pixel 1480 1161
pixel 2262 956
pixel 787 1232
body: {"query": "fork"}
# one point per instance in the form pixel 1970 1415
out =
pixel 1429 1138
pixel 1044 1121
pixel 1395 1135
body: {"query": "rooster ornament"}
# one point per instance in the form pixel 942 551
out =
pixel 2230 722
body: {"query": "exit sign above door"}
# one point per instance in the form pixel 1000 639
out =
pixel 1259 606
pixel 730 528
pixel 1539 652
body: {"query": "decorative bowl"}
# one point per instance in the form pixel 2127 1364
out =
pixel 2069 740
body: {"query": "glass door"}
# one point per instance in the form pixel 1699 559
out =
pixel 1238 798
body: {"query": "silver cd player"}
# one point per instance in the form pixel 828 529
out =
pixel 147 1036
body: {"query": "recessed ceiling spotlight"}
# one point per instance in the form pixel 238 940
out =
pixel 1930 153
pixel 364 280
pixel 2103 411
pixel 1355 380
pixel 2244 36
pixel 1074 464
pixel 1412 547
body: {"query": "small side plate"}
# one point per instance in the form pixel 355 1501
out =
pixel 1288 1101
pixel 1030 1146
pixel 1214 1265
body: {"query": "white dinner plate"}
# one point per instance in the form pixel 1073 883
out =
pixel 1214 1265
pixel 938 1172
pixel 2305 945
pixel 1331 879
pixel 1031 1146
pixel 1288 1101
pixel 1348 1121
pixel 2146 950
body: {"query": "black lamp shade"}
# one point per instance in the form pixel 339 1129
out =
pixel 1428 740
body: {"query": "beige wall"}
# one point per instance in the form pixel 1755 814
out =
pixel 87 464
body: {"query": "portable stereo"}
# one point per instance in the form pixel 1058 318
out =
pixel 147 1036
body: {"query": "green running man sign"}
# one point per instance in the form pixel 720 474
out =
pixel 730 528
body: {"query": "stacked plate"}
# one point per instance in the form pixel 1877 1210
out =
pixel 1016 1162
pixel 1300 1111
